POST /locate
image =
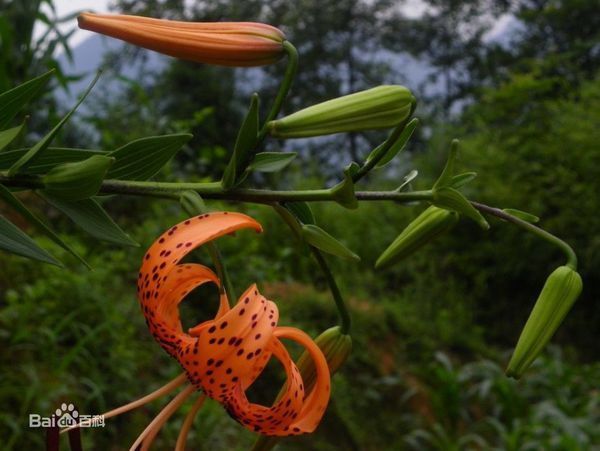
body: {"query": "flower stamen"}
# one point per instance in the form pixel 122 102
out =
pixel 149 434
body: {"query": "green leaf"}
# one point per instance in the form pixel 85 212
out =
pixel 244 144
pixel 42 145
pixel 76 181
pixel 15 241
pixel 319 238
pixel 18 206
pixel 91 217
pixel 47 160
pixel 8 136
pixel 399 144
pixel 445 178
pixel 451 199
pixel 271 161
pixel 302 211
pixel 143 158
pixel 528 217
pixel 343 193
pixel 192 203
pixel 290 219
pixel 352 169
pixel 408 178
pixel 13 100
pixel 462 179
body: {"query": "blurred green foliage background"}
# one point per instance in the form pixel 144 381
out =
pixel 431 335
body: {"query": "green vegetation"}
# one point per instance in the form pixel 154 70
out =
pixel 432 335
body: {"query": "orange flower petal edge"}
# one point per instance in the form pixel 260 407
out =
pixel 223 357
pixel 238 44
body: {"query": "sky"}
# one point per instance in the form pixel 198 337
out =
pixel 65 7
pixel 413 8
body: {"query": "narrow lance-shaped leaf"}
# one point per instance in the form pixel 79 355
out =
pixel 12 101
pixel 47 160
pixel 408 178
pixel 451 199
pixel 75 181
pixel 445 178
pixel 528 217
pixel 143 158
pixel 400 143
pixel 271 161
pixel 244 144
pixel 319 238
pixel 44 143
pixel 192 203
pixel 15 241
pixel 8 136
pixel 291 220
pixel 92 218
pixel 302 211
pixel 462 179
pixel 18 206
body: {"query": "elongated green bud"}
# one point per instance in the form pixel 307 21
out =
pixel 336 347
pixel 560 291
pixel 426 227
pixel 381 107
pixel 76 181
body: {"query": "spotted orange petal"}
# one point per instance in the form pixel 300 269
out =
pixel 223 357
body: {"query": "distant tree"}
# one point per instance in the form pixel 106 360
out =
pixel 451 36
pixel 560 36
pixel 23 55
pixel 340 45
pixel 554 38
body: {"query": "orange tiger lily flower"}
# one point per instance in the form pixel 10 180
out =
pixel 238 44
pixel 222 357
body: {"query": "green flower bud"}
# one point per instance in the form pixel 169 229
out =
pixel 426 227
pixel 381 107
pixel 560 291
pixel 76 181
pixel 336 347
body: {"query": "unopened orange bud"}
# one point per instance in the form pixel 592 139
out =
pixel 238 44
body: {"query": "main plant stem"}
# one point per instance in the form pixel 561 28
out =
pixel 214 190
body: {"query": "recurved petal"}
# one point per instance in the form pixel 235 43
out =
pixel 162 283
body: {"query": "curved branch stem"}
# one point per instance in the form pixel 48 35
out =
pixel 527 226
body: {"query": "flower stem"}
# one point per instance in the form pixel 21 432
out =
pixel 346 320
pixel 563 246
pixel 295 225
pixel 286 83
